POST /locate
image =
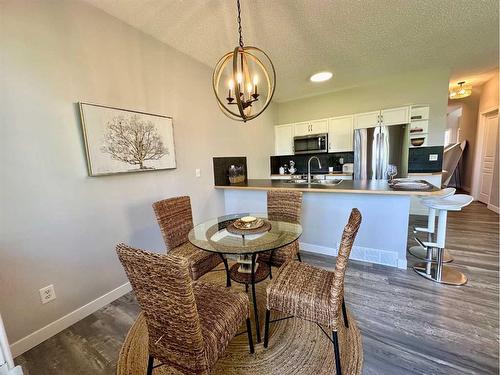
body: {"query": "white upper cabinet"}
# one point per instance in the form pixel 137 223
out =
pixel 395 116
pixel 385 117
pixel 340 134
pixel 366 119
pixel 283 139
pixel 341 129
pixel 311 127
pixel 319 126
pixel 302 128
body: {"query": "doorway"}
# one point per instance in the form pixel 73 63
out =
pixel 486 159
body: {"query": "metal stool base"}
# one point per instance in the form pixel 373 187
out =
pixel 449 275
pixel 421 253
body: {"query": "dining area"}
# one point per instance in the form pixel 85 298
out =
pixel 232 294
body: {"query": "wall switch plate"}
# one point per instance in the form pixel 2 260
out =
pixel 433 157
pixel 47 294
pixel 197 172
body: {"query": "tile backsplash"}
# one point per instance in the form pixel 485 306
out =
pixel 327 160
pixel 419 159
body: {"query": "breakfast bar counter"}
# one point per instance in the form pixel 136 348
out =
pixel 383 234
pixel 345 186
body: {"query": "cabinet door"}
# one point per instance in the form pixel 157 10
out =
pixel 366 120
pixel 340 134
pixel 283 139
pixel 319 127
pixel 302 128
pixel 395 116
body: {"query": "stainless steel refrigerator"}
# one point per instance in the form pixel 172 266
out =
pixel 375 148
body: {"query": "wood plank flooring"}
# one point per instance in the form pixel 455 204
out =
pixel 409 325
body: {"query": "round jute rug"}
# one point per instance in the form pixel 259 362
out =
pixel 295 346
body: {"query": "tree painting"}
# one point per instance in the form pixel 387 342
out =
pixel 133 141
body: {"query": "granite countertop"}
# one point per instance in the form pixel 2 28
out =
pixel 346 186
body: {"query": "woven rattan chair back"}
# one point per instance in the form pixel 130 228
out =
pixel 348 237
pixel 163 288
pixel 175 218
pixel 284 205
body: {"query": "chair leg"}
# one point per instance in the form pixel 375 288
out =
pixel 226 266
pixel 337 353
pixel 344 313
pixel 150 365
pixel 250 338
pixel 266 328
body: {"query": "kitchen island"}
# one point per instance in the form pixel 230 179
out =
pixel 383 234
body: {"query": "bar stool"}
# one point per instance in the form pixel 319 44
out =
pixel 420 251
pixel 437 271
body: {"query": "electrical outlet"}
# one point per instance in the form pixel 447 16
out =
pixel 197 172
pixel 433 157
pixel 47 294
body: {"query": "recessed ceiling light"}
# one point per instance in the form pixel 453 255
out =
pixel 321 76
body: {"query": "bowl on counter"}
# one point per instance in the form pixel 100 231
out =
pixel 417 141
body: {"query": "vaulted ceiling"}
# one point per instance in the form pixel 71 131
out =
pixel 359 41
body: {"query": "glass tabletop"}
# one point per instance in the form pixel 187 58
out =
pixel 213 236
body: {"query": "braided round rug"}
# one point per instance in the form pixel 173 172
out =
pixel 295 346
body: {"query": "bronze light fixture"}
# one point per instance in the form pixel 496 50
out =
pixel 238 75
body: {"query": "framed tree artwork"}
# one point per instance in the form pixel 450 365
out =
pixel 122 141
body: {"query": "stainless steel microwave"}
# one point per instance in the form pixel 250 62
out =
pixel 310 144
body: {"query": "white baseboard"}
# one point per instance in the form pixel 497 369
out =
pixel 325 250
pixel 493 208
pixel 44 333
pixel 364 254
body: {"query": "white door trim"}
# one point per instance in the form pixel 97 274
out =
pixel 479 151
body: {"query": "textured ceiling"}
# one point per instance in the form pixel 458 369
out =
pixel 358 41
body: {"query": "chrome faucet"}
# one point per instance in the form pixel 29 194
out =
pixel 309 167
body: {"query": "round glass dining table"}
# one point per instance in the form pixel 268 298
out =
pixel 212 235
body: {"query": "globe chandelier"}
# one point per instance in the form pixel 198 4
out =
pixel 244 80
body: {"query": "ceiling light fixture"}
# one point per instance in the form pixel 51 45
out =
pixel 462 90
pixel 237 74
pixel 321 76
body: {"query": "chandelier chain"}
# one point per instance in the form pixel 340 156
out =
pixel 239 23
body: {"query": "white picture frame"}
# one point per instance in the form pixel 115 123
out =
pixel 119 140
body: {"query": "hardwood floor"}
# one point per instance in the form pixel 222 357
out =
pixel 409 325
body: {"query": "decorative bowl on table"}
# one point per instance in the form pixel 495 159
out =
pixel 248 222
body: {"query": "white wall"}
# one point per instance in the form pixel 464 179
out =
pixel 57 225
pixel 425 87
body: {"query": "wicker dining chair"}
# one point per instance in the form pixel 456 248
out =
pixel 175 218
pixel 190 324
pixel 314 294
pixel 283 205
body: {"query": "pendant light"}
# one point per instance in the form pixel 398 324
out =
pixel 244 80
pixel 462 90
